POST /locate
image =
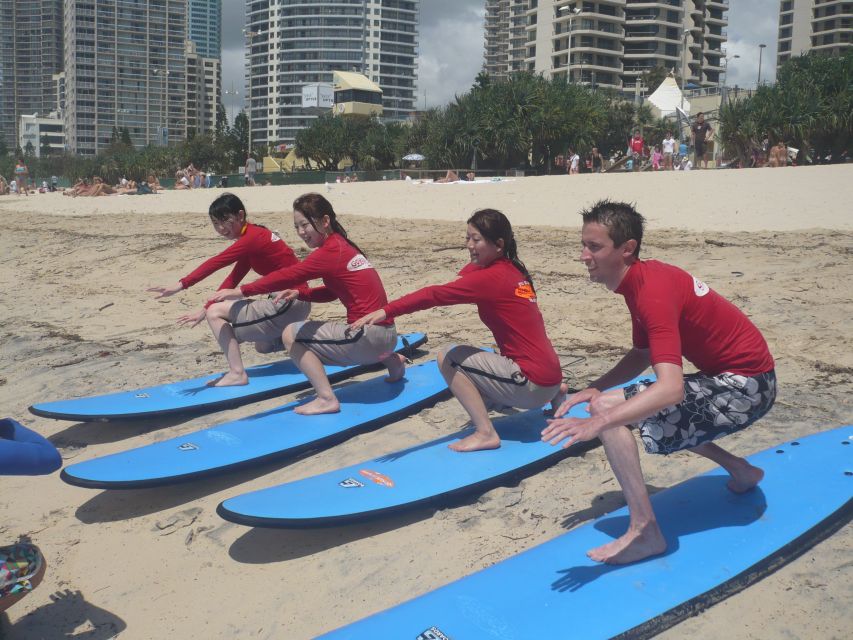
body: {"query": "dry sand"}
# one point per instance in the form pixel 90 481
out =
pixel 160 563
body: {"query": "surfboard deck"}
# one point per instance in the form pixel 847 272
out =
pixel 273 434
pixel 194 396
pixel 424 474
pixel 719 544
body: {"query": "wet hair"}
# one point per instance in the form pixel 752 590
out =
pixel 622 220
pixel 314 206
pixel 226 206
pixel 493 226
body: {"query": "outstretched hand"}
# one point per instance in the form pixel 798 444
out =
pixel 287 294
pixel 165 292
pixel 584 395
pixel 570 430
pixel 371 318
pixel 191 319
pixel 226 294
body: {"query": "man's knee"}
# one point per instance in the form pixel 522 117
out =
pixel 605 401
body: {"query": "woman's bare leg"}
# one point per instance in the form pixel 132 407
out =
pixel 217 318
pixel 310 364
pixel 484 436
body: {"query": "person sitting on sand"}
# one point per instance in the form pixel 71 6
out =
pixel 99 188
pixel 674 315
pixel 154 183
pixel 450 176
pixel 181 180
pixel 22 452
pixel 80 186
pixel 526 373
pixel 258 321
pixel 4 186
pixel 347 275
pixel 778 155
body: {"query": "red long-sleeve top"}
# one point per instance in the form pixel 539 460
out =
pixel 258 249
pixel 506 303
pixel 347 276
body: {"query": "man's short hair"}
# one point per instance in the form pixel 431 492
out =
pixel 622 220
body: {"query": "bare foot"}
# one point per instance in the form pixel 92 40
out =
pixel 746 479
pixel 318 406
pixel 230 380
pixel 631 547
pixel 477 442
pixel 396 367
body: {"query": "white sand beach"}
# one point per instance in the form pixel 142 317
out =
pixel 160 563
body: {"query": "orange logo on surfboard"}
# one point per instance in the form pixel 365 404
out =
pixel 525 290
pixel 378 478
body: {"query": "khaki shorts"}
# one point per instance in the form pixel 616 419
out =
pixel 335 343
pixel 262 321
pixel 498 379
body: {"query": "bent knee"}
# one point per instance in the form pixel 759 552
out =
pixel 605 401
pixel 444 355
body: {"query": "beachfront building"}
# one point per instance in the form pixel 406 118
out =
pixel 822 26
pixel 506 36
pixel 204 88
pixel 125 67
pixel 30 56
pixel 293 43
pixel 41 134
pixel 608 43
pixel 204 27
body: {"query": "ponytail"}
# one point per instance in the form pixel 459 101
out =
pixel 314 206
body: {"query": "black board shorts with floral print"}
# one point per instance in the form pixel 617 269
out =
pixel 713 407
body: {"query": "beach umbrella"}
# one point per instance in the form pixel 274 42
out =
pixel 413 157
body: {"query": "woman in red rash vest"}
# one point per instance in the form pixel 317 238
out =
pixel 347 276
pixel 261 321
pixel 526 373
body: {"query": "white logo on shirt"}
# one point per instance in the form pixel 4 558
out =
pixel 358 263
pixel 699 287
pixel 274 237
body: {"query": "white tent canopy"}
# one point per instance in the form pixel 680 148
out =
pixel 667 97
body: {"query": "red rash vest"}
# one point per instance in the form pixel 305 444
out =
pixel 347 275
pixel 258 249
pixel 506 303
pixel 674 314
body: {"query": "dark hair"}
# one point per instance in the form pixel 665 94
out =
pixel 225 206
pixel 622 220
pixel 493 226
pixel 314 206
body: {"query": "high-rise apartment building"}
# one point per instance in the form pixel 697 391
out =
pixel 607 42
pixel 204 88
pixel 204 27
pixel 823 26
pixel 125 66
pixel 30 55
pixel 297 42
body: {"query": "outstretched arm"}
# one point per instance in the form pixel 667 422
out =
pixel 165 292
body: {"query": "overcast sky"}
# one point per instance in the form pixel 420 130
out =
pixel 451 47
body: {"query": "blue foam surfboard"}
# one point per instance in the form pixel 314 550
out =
pixel 719 544
pixel 272 434
pixel 424 474
pixel 194 396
